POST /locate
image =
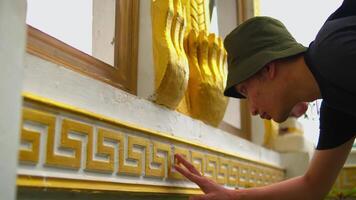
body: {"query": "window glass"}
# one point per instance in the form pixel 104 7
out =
pixel 87 25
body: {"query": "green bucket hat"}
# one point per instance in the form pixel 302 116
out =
pixel 252 45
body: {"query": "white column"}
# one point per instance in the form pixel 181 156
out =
pixel 12 46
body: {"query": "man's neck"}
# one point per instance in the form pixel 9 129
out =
pixel 303 81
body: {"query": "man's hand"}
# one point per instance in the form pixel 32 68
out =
pixel 212 190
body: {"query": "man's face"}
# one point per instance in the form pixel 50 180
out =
pixel 266 98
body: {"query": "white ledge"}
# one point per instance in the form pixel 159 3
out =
pixel 58 83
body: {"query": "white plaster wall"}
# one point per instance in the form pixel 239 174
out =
pixel 145 68
pixel 12 45
pixel 61 84
pixel 104 30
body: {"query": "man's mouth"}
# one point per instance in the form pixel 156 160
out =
pixel 265 116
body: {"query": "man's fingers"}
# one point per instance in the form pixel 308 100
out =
pixel 189 175
pixel 202 182
pixel 187 164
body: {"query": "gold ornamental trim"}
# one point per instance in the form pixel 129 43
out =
pixel 63 183
pixel 60 141
pixel 54 104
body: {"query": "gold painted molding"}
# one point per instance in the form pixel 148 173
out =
pixel 133 150
pixel 63 183
pixel 54 104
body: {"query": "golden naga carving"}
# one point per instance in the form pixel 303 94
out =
pixel 171 64
pixel 204 53
pixel 197 15
pixel 207 61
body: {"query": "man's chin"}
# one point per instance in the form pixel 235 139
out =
pixel 280 119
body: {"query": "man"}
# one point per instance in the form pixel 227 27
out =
pixel 274 73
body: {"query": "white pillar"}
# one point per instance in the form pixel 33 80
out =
pixel 12 46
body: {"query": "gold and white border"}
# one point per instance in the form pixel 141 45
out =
pixel 70 148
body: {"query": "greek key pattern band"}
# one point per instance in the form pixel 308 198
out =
pixel 55 137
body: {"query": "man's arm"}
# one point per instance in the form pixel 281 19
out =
pixel 314 185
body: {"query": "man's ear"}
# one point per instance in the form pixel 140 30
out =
pixel 270 70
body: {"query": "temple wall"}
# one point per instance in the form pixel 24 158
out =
pixel 68 97
pixel 51 81
pixel 46 82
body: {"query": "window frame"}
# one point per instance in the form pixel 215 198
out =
pixel 245 123
pixel 122 75
pixel 243 12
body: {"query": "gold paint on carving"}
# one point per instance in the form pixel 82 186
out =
pixel 67 143
pixel 43 119
pixel 253 176
pixel 268 176
pixel 259 176
pixel 211 166
pixel 162 170
pixel 56 105
pixel 48 121
pixel 90 185
pixel 33 138
pixel 208 72
pixel 132 155
pixel 171 64
pixel 244 175
pixel 103 150
pixel 198 161
pixel 202 97
pixel 199 15
pixel 234 173
pixel 185 153
pixel 223 169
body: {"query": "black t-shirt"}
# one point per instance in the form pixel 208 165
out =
pixel 331 58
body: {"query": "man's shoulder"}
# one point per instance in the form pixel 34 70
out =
pixel 333 53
